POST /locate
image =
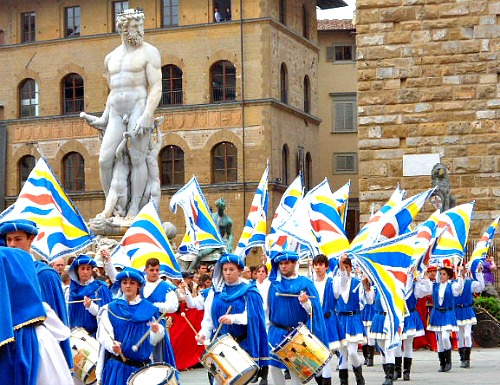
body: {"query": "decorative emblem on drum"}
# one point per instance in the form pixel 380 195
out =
pixel 303 353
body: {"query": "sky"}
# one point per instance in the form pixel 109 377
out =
pixel 338 13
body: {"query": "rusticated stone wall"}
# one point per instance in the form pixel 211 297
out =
pixel 428 82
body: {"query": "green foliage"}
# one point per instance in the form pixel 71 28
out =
pixel 490 304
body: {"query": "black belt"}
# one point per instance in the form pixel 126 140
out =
pixel 137 364
pixel 327 315
pixel 412 310
pixel 287 328
pixel 239 339
pixel 462 306
pixel 349 313
pixel 443 309
pixel 381 312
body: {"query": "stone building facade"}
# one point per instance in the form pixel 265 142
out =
pixel 428 83
pixel 53 51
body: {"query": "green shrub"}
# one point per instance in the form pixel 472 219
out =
pixel 490 304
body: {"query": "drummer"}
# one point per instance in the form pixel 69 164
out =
pixel 122 324
pixel 286 311
pixel 245 321
pixel 86 294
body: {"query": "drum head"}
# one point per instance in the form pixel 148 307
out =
pixel 153 374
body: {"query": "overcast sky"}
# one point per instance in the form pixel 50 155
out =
pixel 338 13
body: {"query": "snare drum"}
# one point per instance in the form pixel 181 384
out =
pixel 303 353
pixel 154 374
pixel 228 362
pixel 85 349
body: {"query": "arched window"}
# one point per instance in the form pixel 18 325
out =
pixel 28 98
pixel 285 154
pixel 171 166
pixel 171 77
pixel 308 172
pixel 223 77
pixel 307 94
pixel 73 94
pixel 224 163
pixel 305 22
pixel 25 165
pixel 284 83
pixel 73 167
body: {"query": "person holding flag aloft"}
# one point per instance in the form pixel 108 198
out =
pixel 466 317
pixel 349 292
pixel 443 320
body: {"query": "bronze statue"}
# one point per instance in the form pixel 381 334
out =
pixel 441 198
pixel 225 226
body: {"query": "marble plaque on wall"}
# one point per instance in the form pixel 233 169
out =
pixel 415 165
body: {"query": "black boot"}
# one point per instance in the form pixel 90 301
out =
pixel 287 374
pixel 371 352
pixel 447 366
pixel 389 374
pixel 406 368
pixel 327 381
pixel 344 377
pixel 319 380
pixel 358 372
pixel 364 349
pixel 397 368
pixel 462 359
pixel 442 361
pixel 264 370
pixel 467 357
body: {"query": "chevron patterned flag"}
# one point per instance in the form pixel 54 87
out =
pixel 481 249
pixel 62 230
pixel 402 215
pixel 371 230
pixel 427 235
pixel 325 232
pixel 277 240
pixel 144 239
pixel 254 232
pixel 392 297
pixel 453 241
pixel 201 228
pixel 341 197
pixel 386 264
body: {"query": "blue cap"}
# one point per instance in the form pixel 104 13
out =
pixel 82 259
pixel 18 225
pixel 128 272
pixel 231 258
pixel 285 255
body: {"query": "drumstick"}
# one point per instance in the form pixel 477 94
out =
pixel 189 322
pixel 220 325
pixel 292 295
pixel 103 325
pixel 145 335
pixel 82 300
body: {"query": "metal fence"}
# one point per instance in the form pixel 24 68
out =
pixel 493 250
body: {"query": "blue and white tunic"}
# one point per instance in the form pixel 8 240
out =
pixel 349 291
pixel 463 303
pixel 443 317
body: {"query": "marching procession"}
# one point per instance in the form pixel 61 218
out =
pixel 113 325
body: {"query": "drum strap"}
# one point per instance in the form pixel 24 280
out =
pixel 137 364
pixel 287 328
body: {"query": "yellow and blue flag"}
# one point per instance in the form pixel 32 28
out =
pixel 482 246
pixel 144 239
pixel 316 223
pixel 371 230
pixel 62 230
pixel 254 232
pixel 341 197
pixel 201 230
pixel 454 239
pixel 277 240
